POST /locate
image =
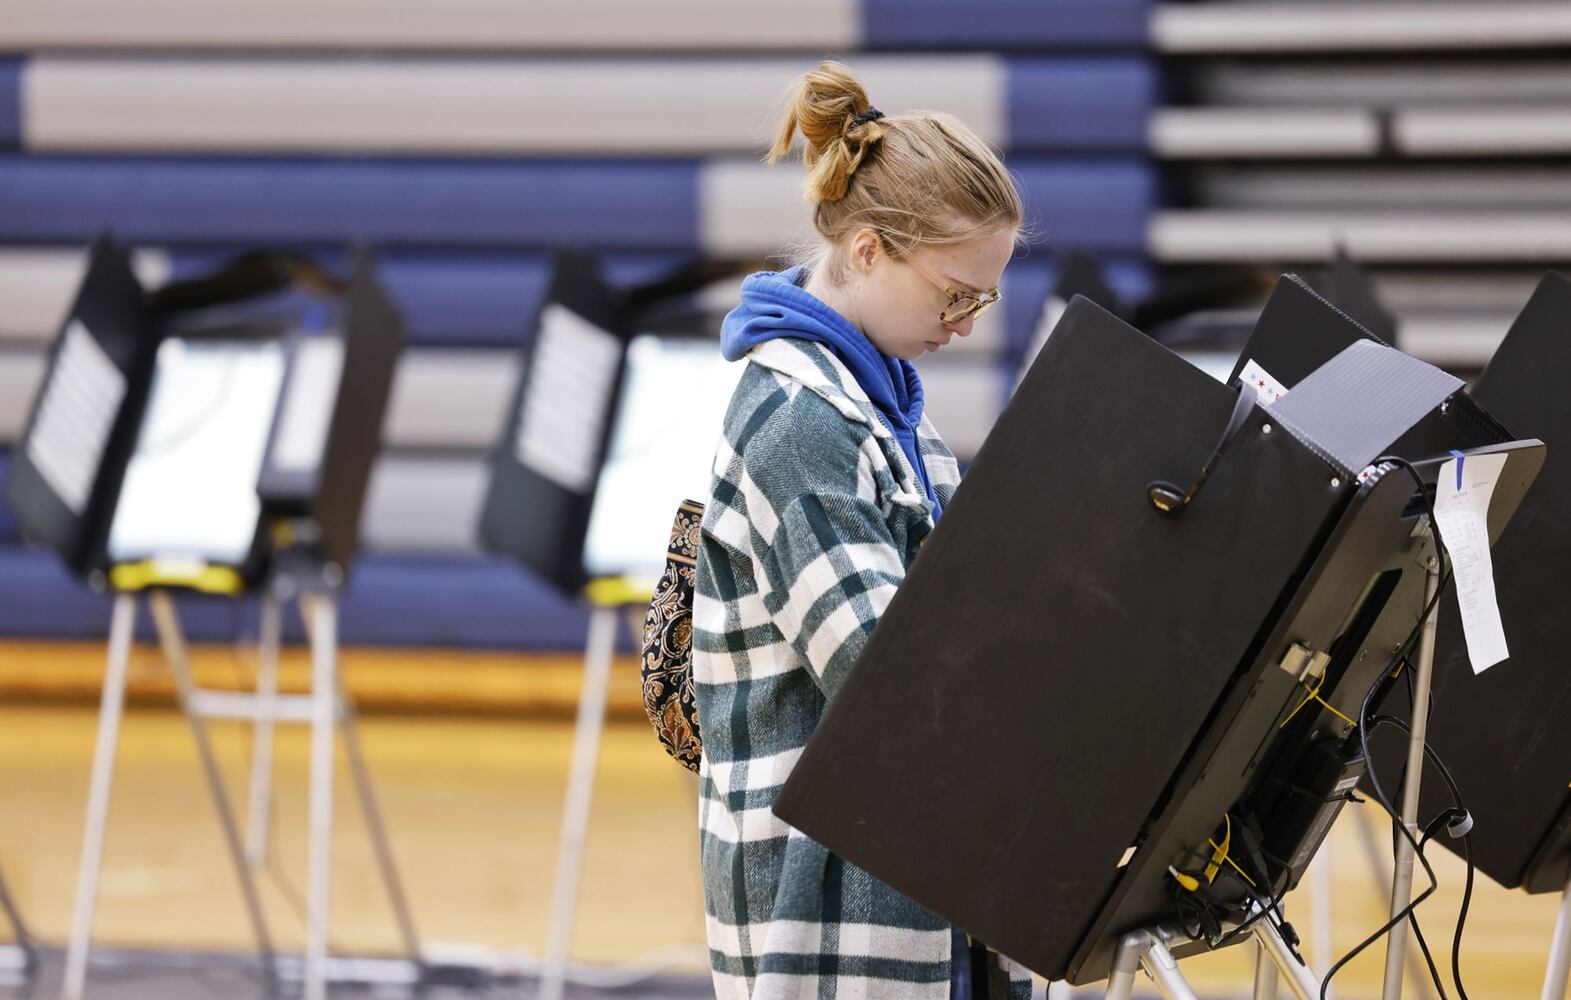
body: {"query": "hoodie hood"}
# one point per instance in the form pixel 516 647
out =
pixel 774 304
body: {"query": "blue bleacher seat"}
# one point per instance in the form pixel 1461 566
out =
pixel 1100 204
pixel 1080 104
pixel 1004 24
pixel 231 200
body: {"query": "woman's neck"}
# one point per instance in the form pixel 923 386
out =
pixel 839 298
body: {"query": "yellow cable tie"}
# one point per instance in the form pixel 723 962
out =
pixel 1240 871
pixel 1220 854
pixel 1314 695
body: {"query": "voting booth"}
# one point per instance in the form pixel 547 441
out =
pixel 1500 717
pixel 215 437
pixel 614 423
pixel 1111 712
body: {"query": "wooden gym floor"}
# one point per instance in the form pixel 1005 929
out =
pixel 472 795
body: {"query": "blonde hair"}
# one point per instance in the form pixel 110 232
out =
pixel 917 179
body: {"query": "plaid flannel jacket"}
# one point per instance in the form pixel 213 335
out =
pixel 813 517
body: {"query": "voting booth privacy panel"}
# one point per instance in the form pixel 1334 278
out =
pixel 1505 732
pixel 613 424
pixel 174 429
pixel 1074 692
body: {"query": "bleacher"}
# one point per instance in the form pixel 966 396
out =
pixel 1431 141
pixel 463 141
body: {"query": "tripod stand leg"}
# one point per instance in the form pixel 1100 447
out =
pixel 1381 880
pixel 1320 908
pixel 1402 877
pixel 1303 983
pixel 1265 974
pixel 1126 962
pixel 323 619
pixel 121 625
pixel 261 797
pixel 580 795
pixel 1559 952
pixel 1162 967
pixel 373 817
pixel 1147 949
pixel 173 642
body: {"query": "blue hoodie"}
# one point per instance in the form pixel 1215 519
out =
pixel 774 304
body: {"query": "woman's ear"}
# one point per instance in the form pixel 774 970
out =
pixel 866 248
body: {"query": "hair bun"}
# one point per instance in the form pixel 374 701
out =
pixel 840 125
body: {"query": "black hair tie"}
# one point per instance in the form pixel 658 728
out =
pixel 870 115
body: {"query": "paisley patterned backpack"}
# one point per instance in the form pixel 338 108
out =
pixel 666 666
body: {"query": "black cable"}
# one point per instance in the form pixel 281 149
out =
pixel 1467 846
pixel 1380 796
pixel 1211 910
pixel 1267 906
pixel 1429 754
pixel 1429 831
pixel 1461 916
pixel 1398 656
pixel 1412 918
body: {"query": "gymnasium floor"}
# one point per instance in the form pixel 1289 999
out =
pixel 472 800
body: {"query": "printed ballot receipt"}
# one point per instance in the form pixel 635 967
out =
pixel 1462 510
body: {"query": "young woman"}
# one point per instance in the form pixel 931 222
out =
pixel 826 482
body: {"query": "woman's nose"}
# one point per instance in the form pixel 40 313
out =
pixel 962 326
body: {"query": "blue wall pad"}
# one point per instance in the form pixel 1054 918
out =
pixel 1004 24
pixel 10 103
pixel 1099 204
pixel 508 204
pixel 1082 104
pixel 458 602
pixel 444 602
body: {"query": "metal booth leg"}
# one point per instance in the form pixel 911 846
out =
pixel 121 625
pixel 1380 878
pixel 1402 876
pixel 173 642
pixel 24 940
pixel 1559 952
pixel 373 817
pixel 580 794
pixel 1321 909
pixel 1304 984
pixel 1147 949
pixel 323 621
pixel 258 810
pixel 1126 962
pixel 1265 974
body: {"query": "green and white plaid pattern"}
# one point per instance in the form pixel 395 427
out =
pixel 813 517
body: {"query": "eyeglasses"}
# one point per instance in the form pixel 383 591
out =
pixel 961 304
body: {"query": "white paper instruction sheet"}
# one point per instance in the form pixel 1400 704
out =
pixel 1462 496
